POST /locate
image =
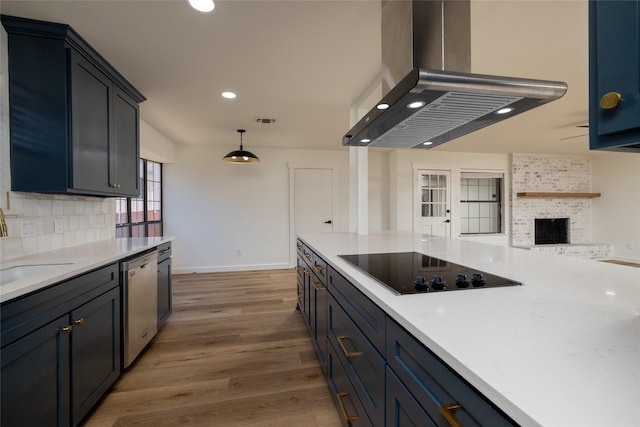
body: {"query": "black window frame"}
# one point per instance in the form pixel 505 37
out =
pixel 127 229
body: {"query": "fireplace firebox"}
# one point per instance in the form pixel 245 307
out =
pixel 549 231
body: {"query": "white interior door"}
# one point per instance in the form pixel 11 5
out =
pixel 313 200
pixel 432 207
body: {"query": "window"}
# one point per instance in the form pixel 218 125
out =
pixel 481 202
pixel 142 216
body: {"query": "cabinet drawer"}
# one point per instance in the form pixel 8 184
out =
pixel 363 364
pixel 25 314
pixel 402 409
pixel 349 407
pixel 434 384
pixel 364 313
pixel 164 251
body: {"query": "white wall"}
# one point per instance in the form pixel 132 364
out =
pixel 215 209
pixel 616 214
pixel 378 191
pixel 402 166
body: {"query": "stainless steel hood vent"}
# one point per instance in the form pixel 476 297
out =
pixel 429 106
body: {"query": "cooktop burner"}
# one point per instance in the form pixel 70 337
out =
pixel 412 273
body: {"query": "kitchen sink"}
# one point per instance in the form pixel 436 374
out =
pixel 21 271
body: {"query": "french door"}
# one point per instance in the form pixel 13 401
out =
pixel 432 206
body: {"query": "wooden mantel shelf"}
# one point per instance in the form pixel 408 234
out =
pixel 557 194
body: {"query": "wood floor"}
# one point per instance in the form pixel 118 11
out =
pixel 235 352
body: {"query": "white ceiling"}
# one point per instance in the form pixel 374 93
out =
pixel 304 63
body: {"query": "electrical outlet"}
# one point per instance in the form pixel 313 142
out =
pixel 27 228
pixel 238 252
pixel 58 226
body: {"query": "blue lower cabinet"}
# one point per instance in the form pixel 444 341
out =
pixel 95 351
pixel 60 350
pixel 351 410
pixel 443 394
pixel 363 365
pixel 403 410
pixel 35 378
pixel 318 318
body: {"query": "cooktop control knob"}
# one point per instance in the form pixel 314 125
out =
pixel 438 283
pixel 462 281
pixel 420 284
pixel 477 280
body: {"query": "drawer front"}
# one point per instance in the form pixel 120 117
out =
pixel 362 362
pixel 403 410
pixel 351 411
pixel 435 385
pixel 368 316
pixel 319 267
pixel 25 314
pixel 164 251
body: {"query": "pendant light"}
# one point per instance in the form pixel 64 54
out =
pixel 241 157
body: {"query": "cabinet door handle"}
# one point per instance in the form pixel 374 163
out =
pixel 80 321
pixel 114 185
pixel 448 411
pixel 67 328
pixel 164 251
pixel 318 286
pixel 347 417
pixel 349 354
pixel 610 100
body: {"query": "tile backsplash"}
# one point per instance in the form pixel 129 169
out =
pixel 42 222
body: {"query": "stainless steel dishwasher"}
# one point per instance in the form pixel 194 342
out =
pixel 139 304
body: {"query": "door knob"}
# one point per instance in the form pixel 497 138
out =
pixel 610 100
pixel 328 222
pixel 447 220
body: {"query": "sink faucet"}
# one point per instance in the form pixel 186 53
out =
pixel 3 225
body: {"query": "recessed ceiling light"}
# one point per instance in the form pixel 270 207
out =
pixel 382 106
pixel 204 6
pixel 365 140
pixel 427 143
pixel 228 95
pixel 504 110
pixel 416 104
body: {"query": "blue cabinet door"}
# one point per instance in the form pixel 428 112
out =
pixel 164 292
pixel 403 410
pixel 35 378
pixel 90 95
pixel 95 351
pixel 614 68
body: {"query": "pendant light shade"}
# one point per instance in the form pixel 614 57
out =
pixel 241 157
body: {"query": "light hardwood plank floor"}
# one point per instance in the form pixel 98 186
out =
pixel 235 352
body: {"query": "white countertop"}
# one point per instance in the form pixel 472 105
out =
pixel 562 350
pixel 72 261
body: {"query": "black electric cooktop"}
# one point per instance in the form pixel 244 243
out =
pixel 413 273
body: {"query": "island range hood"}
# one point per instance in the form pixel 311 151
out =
pixel 439 99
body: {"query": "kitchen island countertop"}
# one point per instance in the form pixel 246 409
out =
pixel 71 261
pixel 561 350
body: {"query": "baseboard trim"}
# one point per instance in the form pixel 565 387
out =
pixel 228 268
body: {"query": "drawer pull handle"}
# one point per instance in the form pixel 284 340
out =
pixel 448 411
pixel 164 251
pixel 318 286
pixel 319 269
pixel 307 256
pixel 347 417
pixel 349 354
pixel 80 321
pixel 68 328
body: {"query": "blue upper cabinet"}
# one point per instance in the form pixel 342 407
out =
pixel 614 75
pixel 74 120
